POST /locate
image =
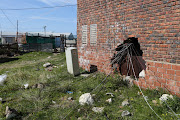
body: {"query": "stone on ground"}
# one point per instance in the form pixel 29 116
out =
pixel 98 109
pixel 165 97
pixel 47 65
pixel 125 102
pixel 109 100
pixel 86 99
pixel 2 78
pixel 125 113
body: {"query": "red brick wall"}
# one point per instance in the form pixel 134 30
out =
pixel 156 25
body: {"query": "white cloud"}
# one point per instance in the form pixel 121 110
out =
pixel 58 2
pixel 53 19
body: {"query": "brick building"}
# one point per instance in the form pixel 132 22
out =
pixel 104 24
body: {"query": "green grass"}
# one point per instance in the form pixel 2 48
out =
pixel 36 104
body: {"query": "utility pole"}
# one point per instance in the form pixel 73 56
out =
pixel 44 30
pixel 17 32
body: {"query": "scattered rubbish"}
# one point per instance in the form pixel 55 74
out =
pixel 50 68
pixel 39 86
pixel 85 75
pixel 165 97
pixel 109 100
pixel 139 93
pixel 110 94
pixel 47 65
pixel 2 78
pixel 142 74
pixel 98 109
pixel 125 113
pixel 49 57
pixel 53 102
pixel 26 86
pixel 70 98
pixel 125 102
pixel 154 101
pixel 69 92
pixel 11 113
pixel 86 99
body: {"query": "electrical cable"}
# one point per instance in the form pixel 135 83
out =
pixel 8 18
pixel 40 7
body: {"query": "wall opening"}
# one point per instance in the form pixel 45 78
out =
pixel 127 55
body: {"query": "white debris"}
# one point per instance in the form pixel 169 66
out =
pixel 1 99
pixel 86 99
pixel 128 80
pixel 165 97
pixel 109 100
pixel 142 74
pixel 2 78
pixel 26 86
pixel 47 65
pixel 125 113
pixel 53 102
pixel 85 75
pixel 49 57
pixel 98 109
pixel 125 102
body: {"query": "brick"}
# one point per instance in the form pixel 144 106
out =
pixel 161 70
pixel 178 72
pixel 157 84
pixel 176 67
pixel 172 72
pixel 158 64
pixel 171 82
pixel 178 84
pixel 167 66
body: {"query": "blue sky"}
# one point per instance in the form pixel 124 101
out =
pixel 61 20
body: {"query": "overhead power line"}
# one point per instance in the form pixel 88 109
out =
pixel 41 7
pixel 7 18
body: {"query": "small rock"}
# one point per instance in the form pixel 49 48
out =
pixel 2 78
pixel 109 100
pixel 85 75
pixel 165 97
pixel 49 57
pixel 1 99
pixel 10 113
pixel 110 94
pixel 50 68
pixel 142 74
pixel 125 113
pixel 86 99
pixel 98 109
pixel 125 102
pixel 40 86
pixel 47 65
pixel 154 101
pixel 26 86
pixel 70 98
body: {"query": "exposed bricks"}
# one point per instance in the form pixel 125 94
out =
pixel 156 25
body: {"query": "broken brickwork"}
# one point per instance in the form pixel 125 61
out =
pixel 154 23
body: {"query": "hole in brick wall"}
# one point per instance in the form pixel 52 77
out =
pixel 93 68
pixel 130 47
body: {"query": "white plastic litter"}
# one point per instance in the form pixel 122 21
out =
pixel 2 78
pixel 26 86
pixel 142 74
